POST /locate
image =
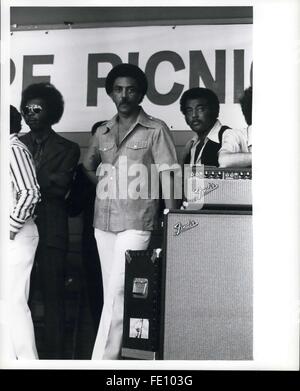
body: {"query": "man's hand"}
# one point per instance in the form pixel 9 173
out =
pixel 12 235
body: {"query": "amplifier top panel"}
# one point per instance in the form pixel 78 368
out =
pixel 224 173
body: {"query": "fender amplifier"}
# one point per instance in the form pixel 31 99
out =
pixel 217 186
pixel 141 304
pixel 207 285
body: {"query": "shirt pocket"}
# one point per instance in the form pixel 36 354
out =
pixel 105 147
pixel 136 145
pixel 137 150
pixel 106 150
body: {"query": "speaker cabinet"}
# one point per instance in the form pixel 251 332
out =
pixel 142 304
pixel 207 290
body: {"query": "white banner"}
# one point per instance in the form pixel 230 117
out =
pixel 175 58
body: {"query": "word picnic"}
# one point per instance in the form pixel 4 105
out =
pixel 196 65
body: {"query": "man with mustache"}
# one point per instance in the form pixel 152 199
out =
pixel 131 139
pixel 200 106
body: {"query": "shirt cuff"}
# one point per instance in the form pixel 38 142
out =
pixel 168 167
pixel 15 224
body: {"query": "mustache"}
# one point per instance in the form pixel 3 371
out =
pixel 123 101
pixel 198 121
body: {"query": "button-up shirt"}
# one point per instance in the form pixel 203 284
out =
pixel 213 135
pixel 237 140
pixel 24 185
pixel 126 170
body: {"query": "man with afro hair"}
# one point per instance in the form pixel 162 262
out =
pixel 55 159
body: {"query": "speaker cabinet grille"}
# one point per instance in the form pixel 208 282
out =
pixel 208 286
pixel 232 192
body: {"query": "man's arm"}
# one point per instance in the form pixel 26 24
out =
pixel 26 186
pixel 165 157
pixel 91 175
pixel 169 192
pixel 235 159
pixel 235 151
pixel 92 159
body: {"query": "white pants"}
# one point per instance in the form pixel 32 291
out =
pixel 20 335
pixel 111 248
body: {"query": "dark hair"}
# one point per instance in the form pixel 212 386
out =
pixel 15 120
pixel 127 70
pixel 96 126
pixel 50 95
pixel 205 93
pixel 246 105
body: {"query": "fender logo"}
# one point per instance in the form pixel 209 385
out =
pixel 203 191
pixel 179 227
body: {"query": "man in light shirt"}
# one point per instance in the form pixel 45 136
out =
pixel 124 222
pixel 200 107
pixel 236 148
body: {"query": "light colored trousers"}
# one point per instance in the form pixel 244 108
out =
pixel 20 342
pixel 111 248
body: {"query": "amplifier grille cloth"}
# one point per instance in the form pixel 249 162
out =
pixel 226 191
pixel 235 191
pixel 208 293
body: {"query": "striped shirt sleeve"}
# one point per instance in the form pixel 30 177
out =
pixel 25 187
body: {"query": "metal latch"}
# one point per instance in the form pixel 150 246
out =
pixel 140 288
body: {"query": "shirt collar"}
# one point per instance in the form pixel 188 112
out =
pixel 213 134
pixel 13 136
pixel 145 119
pixel 142 119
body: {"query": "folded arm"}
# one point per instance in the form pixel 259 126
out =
pixel 235 159
pixel 235 151
pixel 26 188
